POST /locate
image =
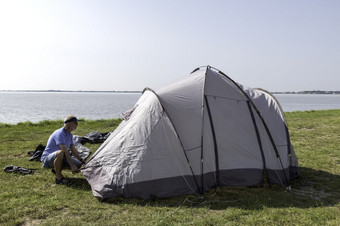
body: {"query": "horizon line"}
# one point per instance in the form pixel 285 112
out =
pixel 138 91
pixel 87 91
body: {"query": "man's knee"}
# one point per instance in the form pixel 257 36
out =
pixel 60 154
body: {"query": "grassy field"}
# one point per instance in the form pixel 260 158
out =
pixel 314 200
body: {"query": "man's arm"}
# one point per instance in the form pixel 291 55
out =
pixel 76 153
pixel 74 168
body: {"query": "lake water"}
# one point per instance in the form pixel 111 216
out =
pixel 37 106
pixel 307 102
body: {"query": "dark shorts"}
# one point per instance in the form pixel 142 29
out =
pixel 48 161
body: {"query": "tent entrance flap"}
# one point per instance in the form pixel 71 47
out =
pixel 265 126
pixel 179 138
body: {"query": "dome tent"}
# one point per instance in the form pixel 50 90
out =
pixel 202 131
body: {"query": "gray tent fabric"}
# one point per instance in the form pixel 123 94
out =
pixel 203 131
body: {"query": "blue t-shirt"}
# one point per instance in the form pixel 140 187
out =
pixel 58 137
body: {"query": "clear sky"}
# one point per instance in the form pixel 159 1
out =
pixel 132 44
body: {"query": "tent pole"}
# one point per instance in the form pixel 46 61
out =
pixel 258 140
pixel 202 145
pixel 215 142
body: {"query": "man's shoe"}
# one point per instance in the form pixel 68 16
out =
pixel 62 181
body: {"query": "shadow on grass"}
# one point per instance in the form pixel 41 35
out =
pixel 79 183
pixel 313 188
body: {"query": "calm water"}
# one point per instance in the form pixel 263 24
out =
pixel 30 106
pixel 37 106
pixel 307 102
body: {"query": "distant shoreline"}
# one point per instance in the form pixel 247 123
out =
pixel 309 92
pixel 69 91
pixel 135 91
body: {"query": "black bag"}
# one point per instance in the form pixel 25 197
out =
pixel 36 154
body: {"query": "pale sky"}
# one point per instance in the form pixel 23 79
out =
pixel 289 45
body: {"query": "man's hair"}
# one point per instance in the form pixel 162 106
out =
pixel 70 119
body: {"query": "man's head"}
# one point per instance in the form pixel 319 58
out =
pixel 71 119
pixel 71 123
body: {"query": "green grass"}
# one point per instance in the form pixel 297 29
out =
pixel 35 199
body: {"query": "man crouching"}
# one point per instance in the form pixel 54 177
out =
pixel 56 155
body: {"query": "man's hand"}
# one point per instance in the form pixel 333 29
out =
pixel 74 169
pixel 76 154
